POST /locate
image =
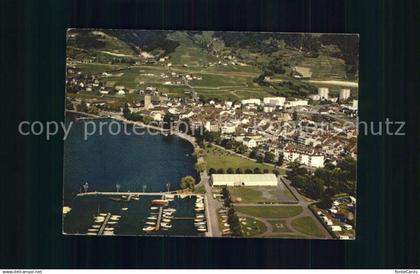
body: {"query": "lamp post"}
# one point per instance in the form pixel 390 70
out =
pixel 144 188
pixel 168 186
pixel 86 187
pixel 118 186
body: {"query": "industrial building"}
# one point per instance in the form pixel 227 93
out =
pixel 268 179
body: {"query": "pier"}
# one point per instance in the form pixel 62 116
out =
pixel 102 228
pixel 159 218
pixel 128 194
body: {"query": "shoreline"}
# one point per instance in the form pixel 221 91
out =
pixel 120 118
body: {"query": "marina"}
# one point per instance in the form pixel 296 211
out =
pixel 97 214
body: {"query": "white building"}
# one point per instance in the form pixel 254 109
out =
pixel 228 129
pixel 315 97
pixel 344 94
pixel 249 142
pixel 268 179
pixel 305 156
pixel 268 109
pixel 251 101
pixel 274 101
pixel 323 92
pixel 296 103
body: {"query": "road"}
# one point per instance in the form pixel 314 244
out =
pixel 305 202
pixel 212 206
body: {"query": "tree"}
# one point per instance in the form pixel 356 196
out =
pixel 280 160
pixel 238 170
pixel 187 182
pixel 201 166
pixel 265 170
pixel 248 171
pixel 257 170
pixel 253 154
pixel 212 171
pixel 259 158
pixel 313 188
pixel 229 171
pixel 269 157
pixel 276 172
pixel 325 202
pixel 220 171
pixel 126 110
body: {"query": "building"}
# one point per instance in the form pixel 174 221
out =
pixel 268 179
pixel 148 101
pixel 251 101
pixel 305 155
pixel 274 101
pixel 296 103
pixel 355 104
pixel 344 94
pixel 268 109
pixel 249 142
pixel 315 97
pixel 323 93
pixel 228 129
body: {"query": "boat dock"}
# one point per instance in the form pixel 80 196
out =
pixel 102 228
pixel 134 194
pixel 159 218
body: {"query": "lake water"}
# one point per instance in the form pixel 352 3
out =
pixel 132 162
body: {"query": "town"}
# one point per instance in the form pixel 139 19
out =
pixel 283 165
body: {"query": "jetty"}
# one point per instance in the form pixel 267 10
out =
pixel 102 228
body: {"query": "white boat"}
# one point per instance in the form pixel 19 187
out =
pixel 154 208
pixel 92 229
pixel 170 209
pixel 202 229
pixel 170 196
pixel 115 218
pixel 150 223
pixel 109 229
pixel 226 225
pixel 112 223
pixel 166 225
pixel 152 218
pixel 166 220
pixel 108 232
pixel 148 228
pixel 198 219
pixel 199 209
pixel 124 208
pixel 90 233
pixel 199 216
pixel 226 230
pixel 102 214
pixel 118 216
pixel 96 226
pixel 199 223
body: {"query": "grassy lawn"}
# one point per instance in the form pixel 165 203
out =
pixel 270 211
pixel 251 227
pixel 217 158
pixel 259 194
pixel 279 226
pixel 307 226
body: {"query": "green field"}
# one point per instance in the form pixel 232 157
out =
pixel 279 226
pixel 260 194
pixel 251 227
pixel 270 211
pixel 307 226
pixel 217 158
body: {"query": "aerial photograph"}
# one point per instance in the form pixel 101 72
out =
pixel 210 134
